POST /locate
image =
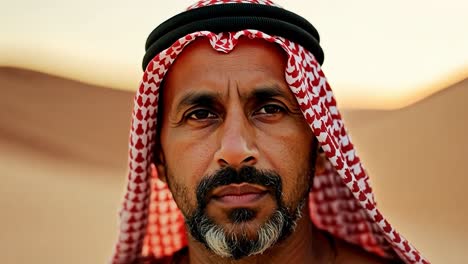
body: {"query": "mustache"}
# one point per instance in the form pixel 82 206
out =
pixel 247 174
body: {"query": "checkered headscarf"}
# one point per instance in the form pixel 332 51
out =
pixel 341 199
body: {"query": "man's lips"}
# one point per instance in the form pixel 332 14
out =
pixel 238 194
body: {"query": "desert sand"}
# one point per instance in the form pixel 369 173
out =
pixel 63 148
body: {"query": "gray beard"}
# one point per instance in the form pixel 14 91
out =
pixel 236 246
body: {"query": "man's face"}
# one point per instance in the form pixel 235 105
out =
pixel 236 151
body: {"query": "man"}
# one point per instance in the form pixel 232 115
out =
pixel 249 160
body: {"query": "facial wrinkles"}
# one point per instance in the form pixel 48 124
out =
pixel 239 78
pixel 279 144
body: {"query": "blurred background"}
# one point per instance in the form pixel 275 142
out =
pixel 69 69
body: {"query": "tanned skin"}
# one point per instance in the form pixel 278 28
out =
pixel 237 128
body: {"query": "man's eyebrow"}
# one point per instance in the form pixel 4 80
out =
pixel 197 98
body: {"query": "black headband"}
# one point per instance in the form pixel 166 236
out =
pixel 234 17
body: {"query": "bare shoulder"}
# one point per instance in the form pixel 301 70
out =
pixel 349 254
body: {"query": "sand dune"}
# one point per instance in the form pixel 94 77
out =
pixel 63 158
pixel 416 159
pixel 63 148
pixel 66 118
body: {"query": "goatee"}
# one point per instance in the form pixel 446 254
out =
pixel 279 225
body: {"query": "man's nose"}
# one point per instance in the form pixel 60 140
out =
pixel 237 146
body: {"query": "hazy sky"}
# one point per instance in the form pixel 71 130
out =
pixel 380 54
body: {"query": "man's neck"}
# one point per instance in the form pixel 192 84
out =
pixel 305 245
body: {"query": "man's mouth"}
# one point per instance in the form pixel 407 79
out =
pixel 235 195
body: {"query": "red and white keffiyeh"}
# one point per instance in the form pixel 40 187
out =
pixel 341 199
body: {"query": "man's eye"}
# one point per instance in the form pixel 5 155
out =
pixel 270 109
pixel 201 114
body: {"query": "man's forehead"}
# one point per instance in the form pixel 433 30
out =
pixel 201 52
pixel 252 64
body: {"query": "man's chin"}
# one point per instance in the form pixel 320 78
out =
pixel 246 230
pixel 239 240
pixel 249 235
